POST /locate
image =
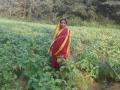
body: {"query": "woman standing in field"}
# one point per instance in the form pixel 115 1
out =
pixel 60 46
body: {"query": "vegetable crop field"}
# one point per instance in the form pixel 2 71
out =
pixel 94 62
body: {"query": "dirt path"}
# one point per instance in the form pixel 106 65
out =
pixel 104 86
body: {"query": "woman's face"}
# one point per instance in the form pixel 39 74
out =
pixel 63 24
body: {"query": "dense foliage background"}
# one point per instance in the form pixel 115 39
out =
pixel 51 10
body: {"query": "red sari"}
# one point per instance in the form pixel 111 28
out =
pixel 60 46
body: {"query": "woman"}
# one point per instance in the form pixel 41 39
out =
pixel 60 46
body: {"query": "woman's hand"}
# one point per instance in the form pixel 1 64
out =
pixel 49 52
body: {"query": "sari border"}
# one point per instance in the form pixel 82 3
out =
pixel 63 44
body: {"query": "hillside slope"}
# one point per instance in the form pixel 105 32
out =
pixel 95 55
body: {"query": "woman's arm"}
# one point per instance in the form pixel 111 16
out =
pixel 54 36
pixel 69 44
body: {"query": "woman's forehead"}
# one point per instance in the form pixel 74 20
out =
pixel 63 21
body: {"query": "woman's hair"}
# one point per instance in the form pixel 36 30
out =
pixel 63 19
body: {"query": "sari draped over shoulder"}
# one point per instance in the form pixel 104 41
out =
pixel 60 46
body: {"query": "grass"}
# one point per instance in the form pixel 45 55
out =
pixel 95 54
